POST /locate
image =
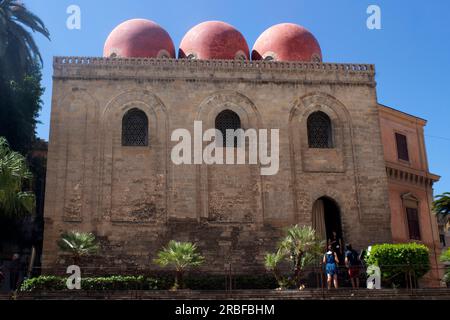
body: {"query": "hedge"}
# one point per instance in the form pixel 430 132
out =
pixel 55 283
pixel 157 282
pixel 397 261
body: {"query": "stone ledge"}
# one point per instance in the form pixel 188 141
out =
pixel 222 64
pixel 317 294
pixel 169 70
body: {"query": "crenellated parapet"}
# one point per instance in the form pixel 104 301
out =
pixel 198 70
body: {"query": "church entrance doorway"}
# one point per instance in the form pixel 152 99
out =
pixel 327 221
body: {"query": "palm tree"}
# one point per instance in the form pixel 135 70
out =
pixel 300 248
pixel 441 206
pixel 14 173
pixel 18 50
pixel 180 255
pixel 271 262
pixel 78 245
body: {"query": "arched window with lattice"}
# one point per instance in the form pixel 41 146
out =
pixel 228 119
pixel 319 131
pixel 135 128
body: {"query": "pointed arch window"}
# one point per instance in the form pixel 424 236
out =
pixel 319 131
pixel 228 120
pixel 135 128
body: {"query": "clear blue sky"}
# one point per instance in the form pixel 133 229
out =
pixel 411 52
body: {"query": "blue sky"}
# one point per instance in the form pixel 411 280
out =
pixel 411 51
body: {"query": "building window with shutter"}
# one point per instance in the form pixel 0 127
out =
pixel 413 223
pixel 402 147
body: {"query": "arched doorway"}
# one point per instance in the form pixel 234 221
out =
pixel 327 218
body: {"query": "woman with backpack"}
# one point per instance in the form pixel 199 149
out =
pixel 353 265
pixel 331 261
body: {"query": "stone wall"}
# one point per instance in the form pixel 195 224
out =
pixel 135 199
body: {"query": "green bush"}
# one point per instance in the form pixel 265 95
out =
pixel 54 283
pixel 48 283
pixel 446 259
pixel 398 261
pixel 156 282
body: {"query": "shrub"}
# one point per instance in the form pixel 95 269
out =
pixel 299 248
pixel 48 283
pixel 54 283
pixel 445 257
pixel 398 261
pixel 195 281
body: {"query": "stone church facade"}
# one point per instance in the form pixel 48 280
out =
pixel 110 170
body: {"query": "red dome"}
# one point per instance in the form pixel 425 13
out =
pixel 287 42
pixel 213 40
pixel 139 38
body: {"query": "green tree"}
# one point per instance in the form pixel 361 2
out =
pixel 300 248
pixel 20 103
pixel 78 245
pixel 445 257
pixel 14 174
pixel 180 255
pixel 18 50
pixel 441 205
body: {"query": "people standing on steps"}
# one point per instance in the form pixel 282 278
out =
pixel 331 261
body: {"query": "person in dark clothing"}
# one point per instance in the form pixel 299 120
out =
pixel 353 265
pixel 14 272
pixel 336 244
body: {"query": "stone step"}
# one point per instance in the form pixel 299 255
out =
pixel 340 294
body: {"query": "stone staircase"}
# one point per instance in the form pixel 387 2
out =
pixel 315 294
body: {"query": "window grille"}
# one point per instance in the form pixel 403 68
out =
pixel 319 131
pixel 228 119
pixel 135 128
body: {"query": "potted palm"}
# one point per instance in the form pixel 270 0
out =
pixel 181 256
pixel 78 244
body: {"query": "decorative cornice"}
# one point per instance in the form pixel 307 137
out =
pixel 411 176
pixel 91 68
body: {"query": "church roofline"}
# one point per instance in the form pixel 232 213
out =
pixel 403 114
pixel 150 69
pixel 245 64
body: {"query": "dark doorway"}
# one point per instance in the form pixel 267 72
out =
pixel 332 218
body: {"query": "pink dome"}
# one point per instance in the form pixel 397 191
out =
pixel 287 42
pixel 213 40
pixel 139 38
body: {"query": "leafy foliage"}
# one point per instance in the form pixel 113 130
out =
pixel 55 283
pixel 18 50
pixel 155 282
pixel 78 244
pixel 48 283
pixel 300 248
pixel 445 257
pixel 14 174
pixel 397 261
pixel 20 103
pixel 180 255
pixel 441 206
